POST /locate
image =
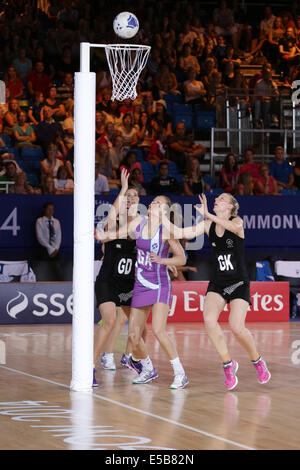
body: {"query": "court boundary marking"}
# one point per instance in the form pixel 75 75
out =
pixel 131 408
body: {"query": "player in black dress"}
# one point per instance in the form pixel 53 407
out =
pixel 229 284
pixel 115 281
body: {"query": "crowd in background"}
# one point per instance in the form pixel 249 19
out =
pixel 196 53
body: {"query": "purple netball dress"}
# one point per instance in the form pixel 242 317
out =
pixel 152 281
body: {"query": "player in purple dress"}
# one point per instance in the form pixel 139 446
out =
pixel 152 288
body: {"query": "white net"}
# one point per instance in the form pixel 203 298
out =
pixel 125 62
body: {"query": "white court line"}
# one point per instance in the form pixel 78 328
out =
pixel 137 410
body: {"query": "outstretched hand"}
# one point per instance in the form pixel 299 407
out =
pixel 203 210
pixel 124 179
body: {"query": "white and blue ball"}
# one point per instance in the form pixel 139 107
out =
pixel 126 25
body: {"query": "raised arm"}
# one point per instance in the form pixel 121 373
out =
pixel 235 225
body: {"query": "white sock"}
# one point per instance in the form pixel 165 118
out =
pixel 109 355
pixel 177 366
pixel 147 363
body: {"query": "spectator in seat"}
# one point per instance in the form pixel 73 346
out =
pixel 287 50
pixel 103 99
pixel 266 100
pixel 68 124
pixel 183 146
pixel 194 181
pixel 135 182
pixel 108 136
pixel 51 164
pixel 265 184
pixel 113 114
pixel 58 109
pixel 66 90
pixel 11 117
pixel 37 80
pixel 35 109
pixel 145 131
pixel 62 183
pixel 14 83
pixel 21 185
pixel 22 64
pixel 23 133
pixel 250 166
pixel 117 152
pixel 128 131
pixel 164 183
pixel 47 186
pixel 230 173
pixel 104 164
pixel 166 81
pixel 159 149
pixel 10 173
pixel 187 61
pixel 129 163
pixel 47 130
pixel 127 107
pixel 275 35
pixel 245 184
pixel 161 116
pixel 223 18
pixel 100 124
pixel 194 90
pixel 281 170
pixel 101 183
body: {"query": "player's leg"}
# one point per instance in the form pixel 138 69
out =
pixel 160 313
pixel 137 322
pixel 108 315
pixel 213 306
pixel 121 319
pixel 237 318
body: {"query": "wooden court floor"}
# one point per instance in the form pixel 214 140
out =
pixel 38 411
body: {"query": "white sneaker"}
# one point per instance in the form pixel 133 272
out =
pixel 180 381
pixel 108 362
pixel 146 376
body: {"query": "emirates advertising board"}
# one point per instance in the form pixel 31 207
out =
pixel 47 302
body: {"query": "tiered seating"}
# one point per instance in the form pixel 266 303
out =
pixel 30 162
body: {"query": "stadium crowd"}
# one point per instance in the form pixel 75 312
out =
pixel 196 56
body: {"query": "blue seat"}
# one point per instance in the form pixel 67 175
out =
pixel 205 120
pixel 6 139
pixel 171 100
pixel 179 108
pixel 32 154
pixel 13 150
pixel 31 166
pixel 34 180
pixel 289 192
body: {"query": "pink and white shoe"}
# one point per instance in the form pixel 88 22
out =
pixel 231 379
pixel 263 373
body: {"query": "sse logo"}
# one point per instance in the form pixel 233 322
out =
pixel 56 305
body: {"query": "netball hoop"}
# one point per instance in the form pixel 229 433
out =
pixel 125 63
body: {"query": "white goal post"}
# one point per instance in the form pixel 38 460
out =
pixel 125 72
